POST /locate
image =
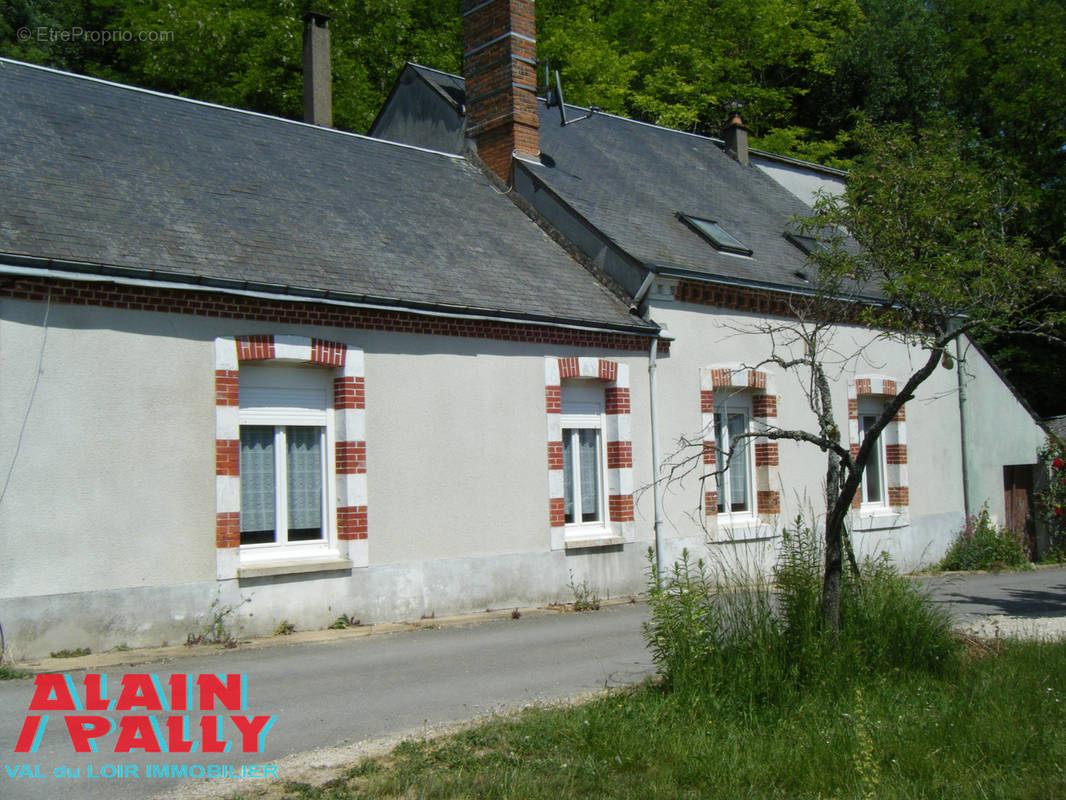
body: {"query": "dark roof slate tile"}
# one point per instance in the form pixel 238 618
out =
pixel 106 174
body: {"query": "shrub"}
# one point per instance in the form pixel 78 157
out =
pixel 1051 503
pixel 981 544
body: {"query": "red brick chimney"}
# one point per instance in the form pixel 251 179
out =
pixel 499 64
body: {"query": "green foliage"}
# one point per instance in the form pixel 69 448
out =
pixel 686 64
pixel 1006 67
pixel 748 645
pixel 585 597
pixel 344 621
pixel 76 652
pixel 246 53
pixel 981 544
pixel 284 628
pixel 937 223
pixel 905 735
pixel 10 673
pixel 891 67
pixel 217 629
pixel 1051 503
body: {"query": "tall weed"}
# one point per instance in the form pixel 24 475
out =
pixel 720 632
pixel 981 544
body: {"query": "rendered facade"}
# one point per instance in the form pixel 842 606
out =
pixel 266 366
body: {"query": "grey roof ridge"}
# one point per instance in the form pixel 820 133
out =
pixel 799 162
pixel 754 151
pixel 714 140
pixel 86 271
pixel 259 114
pixel 434 69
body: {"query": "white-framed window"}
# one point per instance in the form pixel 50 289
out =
pixel 874 489
pixel 286 460
pixel 732 419
pixel 584 456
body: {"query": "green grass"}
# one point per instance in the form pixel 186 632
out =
pixel 995 728
pixel 758 700
pixel 9 673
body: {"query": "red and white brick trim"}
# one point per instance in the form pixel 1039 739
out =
pixel 618 435
pixel 894 438
pixel 760 386
pixel 349 425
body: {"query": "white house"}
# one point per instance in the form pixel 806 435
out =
pixel 272 369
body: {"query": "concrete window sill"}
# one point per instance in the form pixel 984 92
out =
pixel 577 543
pixel 267 569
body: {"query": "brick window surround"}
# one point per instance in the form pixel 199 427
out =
pixel 348 409
pixel 619 468
pixel 893 437
pixel 760 387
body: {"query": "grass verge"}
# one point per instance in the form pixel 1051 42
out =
pixel 996 727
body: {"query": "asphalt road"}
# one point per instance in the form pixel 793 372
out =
pixel 329 697
pixel 336 694
pixel 1039 593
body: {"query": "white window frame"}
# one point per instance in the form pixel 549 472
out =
pixel 871 406
pixel 736 402
pixel 281 397
pixel 583 408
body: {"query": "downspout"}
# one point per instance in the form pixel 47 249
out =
pixel 967 506
pixel 657 488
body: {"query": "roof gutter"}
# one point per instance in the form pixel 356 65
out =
pixel 704 277
pixel 133 276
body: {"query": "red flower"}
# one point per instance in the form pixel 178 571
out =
pixel 1058 463
pixel 1058 512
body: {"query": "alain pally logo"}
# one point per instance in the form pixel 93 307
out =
pixel 183 714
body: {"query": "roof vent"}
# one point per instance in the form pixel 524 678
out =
pixel 318 91
pixel 736 138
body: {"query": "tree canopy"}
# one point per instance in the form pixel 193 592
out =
pixel 940 257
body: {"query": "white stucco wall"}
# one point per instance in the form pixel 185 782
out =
pixel 107 525
pixel 108 440
pixel 107 531
pixel 804 183
pixel 708 337
pixel 999 431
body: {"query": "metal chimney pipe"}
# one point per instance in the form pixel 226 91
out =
pixel 736 138
pixel 318 89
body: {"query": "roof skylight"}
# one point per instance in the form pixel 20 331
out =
pixel 717 235
pixel 808 244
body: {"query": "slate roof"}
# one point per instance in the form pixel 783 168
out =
pixel 631 180
pixel 110 175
